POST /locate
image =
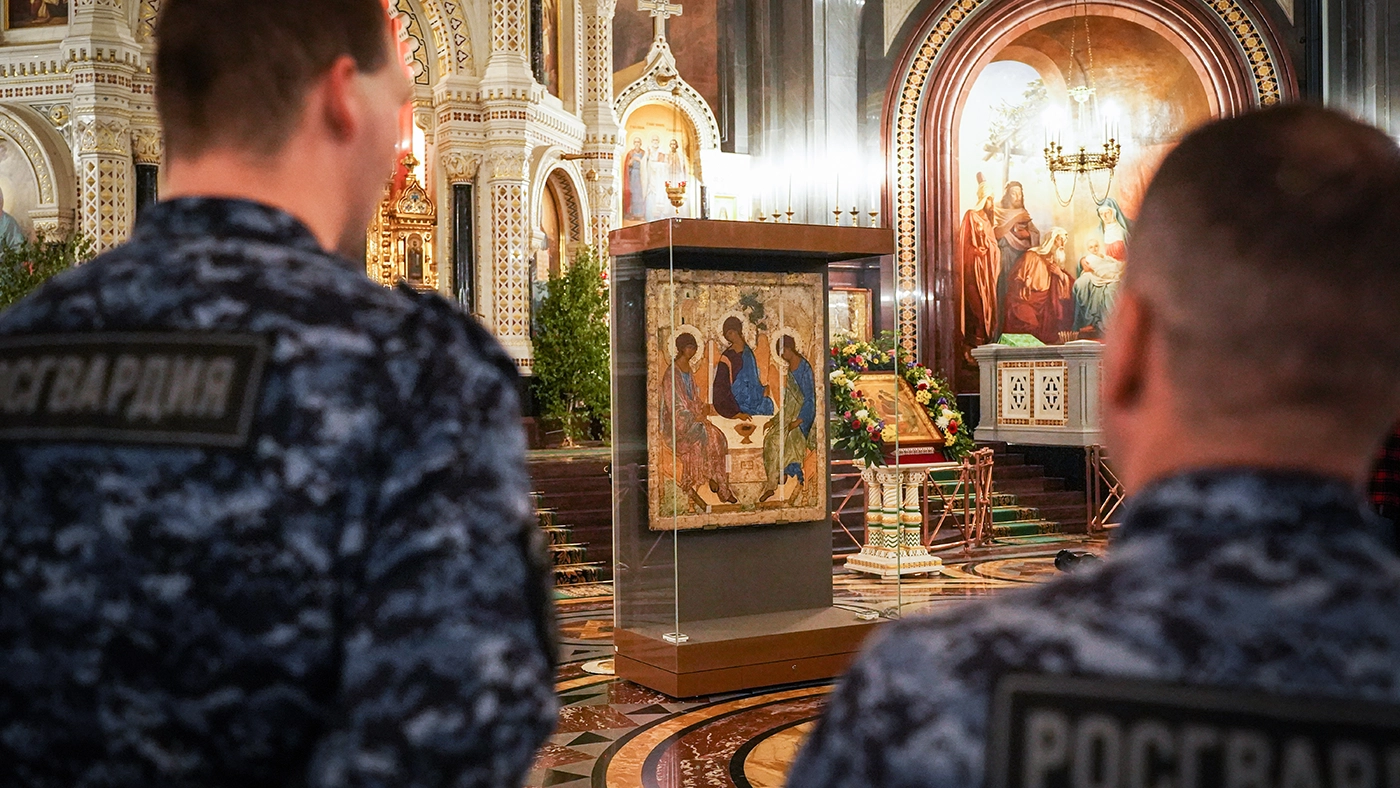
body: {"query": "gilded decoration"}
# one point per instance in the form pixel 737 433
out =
pixel 736 405
pixel 508 164
pixel 1268 90
pixel 402 238
pixel 37 160
pixel 414 42
pixel 461 167
pixel 147 146
pixel 103 137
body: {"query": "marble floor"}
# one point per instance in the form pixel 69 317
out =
pixel 615 734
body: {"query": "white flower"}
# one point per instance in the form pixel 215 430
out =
pixel 862 414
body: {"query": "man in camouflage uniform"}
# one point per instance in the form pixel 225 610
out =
pixel 1252 371
pixel 262 521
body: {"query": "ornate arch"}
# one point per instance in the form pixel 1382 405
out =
pixel 146 20
pixel 451 35
pixel 550 169
pixel 424 54
pixel 661 83
pixel 1242 62
pixel 52 161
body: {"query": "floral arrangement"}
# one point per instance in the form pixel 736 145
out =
pixel 855 425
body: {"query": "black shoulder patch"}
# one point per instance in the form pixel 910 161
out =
pixel 190 389
pixel 1051 731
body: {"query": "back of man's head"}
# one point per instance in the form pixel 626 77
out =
pixel 235 73
pixel 1266 252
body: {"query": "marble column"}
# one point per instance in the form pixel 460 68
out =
pixel 103 59
pixel 507 91
pixel 600 144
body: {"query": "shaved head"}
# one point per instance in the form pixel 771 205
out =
pixel 1267 250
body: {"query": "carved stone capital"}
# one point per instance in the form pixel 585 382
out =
pixel 508 164
pixel 147 146
pixel 461 167
pixel 102 136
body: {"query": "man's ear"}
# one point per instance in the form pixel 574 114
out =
pixel 341 104
pixel 1125 357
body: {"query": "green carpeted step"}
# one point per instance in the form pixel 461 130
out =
pixel 1025 528
pixel 573 574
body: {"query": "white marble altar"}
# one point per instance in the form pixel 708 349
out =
pixel 1046 396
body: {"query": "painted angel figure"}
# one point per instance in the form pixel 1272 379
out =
pixel 699 445
pixel 786 443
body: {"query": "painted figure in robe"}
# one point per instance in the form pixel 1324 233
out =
pixel 1096 287
pixel 698 445
pixel 1039 293
pixel 1114 225
pixel 415 258
pixel 785 445
pixel 1016 234
pixel 980 257
pixel 737 392
pixel 658 205
pixel 634 193
pixel 10 233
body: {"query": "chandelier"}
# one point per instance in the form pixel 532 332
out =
pixel 1086 161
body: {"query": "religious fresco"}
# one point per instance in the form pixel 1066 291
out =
pixel 19 191
pixel 550 24
pixel 1041 256
pixel 848 312
pixel 736 405
pixel 661 148
pixel 37 13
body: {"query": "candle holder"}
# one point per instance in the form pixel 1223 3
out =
pixel 776 216
pixel 763 217
pixel 789 214
pixel 676 194
pixel 837 214
pixel 874 218
pixel 855 217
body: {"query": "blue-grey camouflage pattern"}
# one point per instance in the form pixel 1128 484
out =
pixel 1272 582
pixel 357 598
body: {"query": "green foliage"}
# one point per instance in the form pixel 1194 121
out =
pixel 25 267
pixel 571 348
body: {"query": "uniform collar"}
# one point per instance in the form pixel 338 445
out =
pixel 1225 504
pixel 211 217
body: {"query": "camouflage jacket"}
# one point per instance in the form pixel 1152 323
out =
pixel 1276 583
pixel 262 522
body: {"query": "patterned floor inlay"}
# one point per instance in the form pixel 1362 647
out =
pixel 615 734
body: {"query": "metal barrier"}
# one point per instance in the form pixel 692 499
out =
pixel 970 497
pixel 1104 494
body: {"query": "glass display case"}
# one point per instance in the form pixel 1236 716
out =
pixel 722 454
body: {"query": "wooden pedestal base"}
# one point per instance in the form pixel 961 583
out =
pixel 729 654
